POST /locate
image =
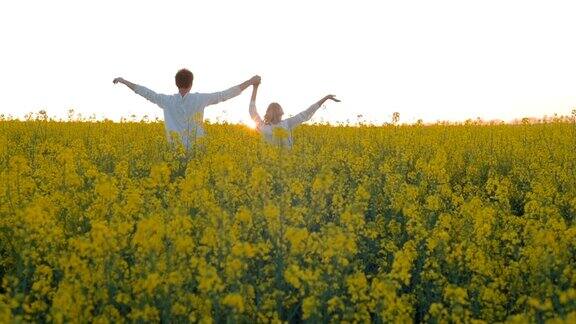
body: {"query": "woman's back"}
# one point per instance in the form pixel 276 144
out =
pixel 273 128
pixel 276 134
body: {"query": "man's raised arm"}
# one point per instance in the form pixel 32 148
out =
pixel 150 95
pixel 217 97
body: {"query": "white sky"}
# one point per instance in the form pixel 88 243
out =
pixel 435 60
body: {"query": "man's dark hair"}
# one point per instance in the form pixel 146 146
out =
pixel 184 79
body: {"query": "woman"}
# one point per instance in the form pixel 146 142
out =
pixel 274 125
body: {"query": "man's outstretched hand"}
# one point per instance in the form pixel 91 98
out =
pixel 125 82
pixel 252 81
pixel 121 80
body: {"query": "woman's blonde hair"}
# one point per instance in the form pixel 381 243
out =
pixel 273 114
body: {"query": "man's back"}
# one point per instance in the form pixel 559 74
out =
pixel 185 114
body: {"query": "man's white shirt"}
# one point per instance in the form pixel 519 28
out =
pixel 185 115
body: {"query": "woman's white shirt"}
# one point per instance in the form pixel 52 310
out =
pixel 287 125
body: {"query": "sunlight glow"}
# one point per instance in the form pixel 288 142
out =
pixel 250 123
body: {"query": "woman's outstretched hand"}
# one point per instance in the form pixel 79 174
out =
pixel 331 97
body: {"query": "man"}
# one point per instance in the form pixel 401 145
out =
pixel 184 111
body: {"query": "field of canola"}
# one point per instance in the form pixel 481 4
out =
pixel 105 222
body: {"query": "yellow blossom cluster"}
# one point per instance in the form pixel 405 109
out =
pixel 108 222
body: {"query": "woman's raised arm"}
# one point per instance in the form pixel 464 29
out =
pixel 252 110
pixel 308 113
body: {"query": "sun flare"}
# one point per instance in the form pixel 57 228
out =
pixel 251 124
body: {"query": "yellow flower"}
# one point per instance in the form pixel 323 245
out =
pixel 297 238
pixel 357 286
pixel 106 189
pixel 234 301
pixel 309 305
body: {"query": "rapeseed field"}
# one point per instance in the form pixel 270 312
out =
pixel 108 223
